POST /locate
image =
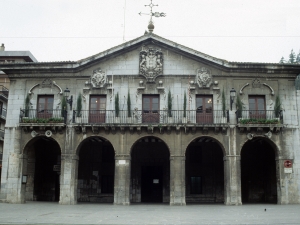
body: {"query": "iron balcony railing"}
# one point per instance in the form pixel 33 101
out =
pixel 3 113
pixel 4 91
pixel 43 116
pixel 259 116
pixel 151 117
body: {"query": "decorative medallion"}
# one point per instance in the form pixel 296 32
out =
pixel 203 78
pixel 98 79
pixel 151 63
pixel 256 83
pixel 47 83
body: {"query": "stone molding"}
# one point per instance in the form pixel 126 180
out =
pixel 69 157
pixel 123 156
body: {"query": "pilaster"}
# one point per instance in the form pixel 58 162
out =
pixel 177 180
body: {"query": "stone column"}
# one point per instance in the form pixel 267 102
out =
pixel 232 173
pixel 122 179
pixel 282 192
pixel 68 179
pixel 177 180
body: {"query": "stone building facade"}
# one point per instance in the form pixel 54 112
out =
pixel 152 121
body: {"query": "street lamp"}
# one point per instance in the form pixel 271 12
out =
pixel 232 96
pixel 67 94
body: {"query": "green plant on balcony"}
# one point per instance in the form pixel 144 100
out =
pixel 259 121
pixel 239 107
pixel 184 104
pixel 169 104
pixel 277 107
pixel 42 120
pixel 128 105
pixel 223 103
pixel 79 105
pixel 117 109
pixel 27 105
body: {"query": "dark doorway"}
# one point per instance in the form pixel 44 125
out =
pixel 258 172
pixel 96 171
pixel 204 172
pixel 150 171
pixel 152 184
pixel 46 170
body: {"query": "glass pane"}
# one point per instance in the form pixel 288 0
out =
pixel 146 104
pixel 208 104
pixel 199 104
pixel 261 104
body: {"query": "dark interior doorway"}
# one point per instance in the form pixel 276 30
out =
pixel 150 171
pixel 96 171
pixel 204 172
pixel 258 172
pixel 46 170
pixel 152 184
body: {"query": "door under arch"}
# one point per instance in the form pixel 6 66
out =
pixel 96 170
pixel 258 172
pixel 150 171
pixel 204 172
pixel 43 169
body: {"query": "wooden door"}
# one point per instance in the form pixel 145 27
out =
pixel 97 109
pixel 150 109
pixel 257 107
pixel 45 106
pixel 204 105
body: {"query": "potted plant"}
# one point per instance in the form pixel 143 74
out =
pixel 27 107
pixel 184 120
pixel 239 108
pixel 128 108
pixel 63 107
pixel 117 109
pixel 78 118
pixel 170 118
pixel 277 107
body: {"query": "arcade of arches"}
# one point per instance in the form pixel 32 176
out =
pixel 150 171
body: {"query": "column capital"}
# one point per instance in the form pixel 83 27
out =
pixel 69 157
pixel 123 156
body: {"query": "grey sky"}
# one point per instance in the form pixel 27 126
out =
pixel 235 30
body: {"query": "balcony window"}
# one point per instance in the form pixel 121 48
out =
pixel 45 106
pixel 150 108
pixel 204 108
pixel 257 107
pixel 97 109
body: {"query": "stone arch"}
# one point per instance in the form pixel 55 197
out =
pixel 207 136
pixel 150 170
pixel 259 171
pixel 95 171
pixel 145 136
pixel 205 170
pixel 79 145
pixel 42 165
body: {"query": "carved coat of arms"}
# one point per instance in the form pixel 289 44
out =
pixel 151 63
pixel 98 78
pixel 203 78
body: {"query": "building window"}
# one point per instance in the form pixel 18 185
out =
pixel 257 107
pixel 196 185
pixel 97 109
pixel 45 106
pixel 204 106
pixel 150 109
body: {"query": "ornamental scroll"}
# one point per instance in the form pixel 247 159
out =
pixel 151 63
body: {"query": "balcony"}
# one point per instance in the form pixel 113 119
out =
pixel 150 120
pixel 3 93
pixel 3 113
pixel 259 119
pixel 54 118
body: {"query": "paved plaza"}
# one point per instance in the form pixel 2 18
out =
pixel 53 213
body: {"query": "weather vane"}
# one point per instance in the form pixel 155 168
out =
pixel 156 14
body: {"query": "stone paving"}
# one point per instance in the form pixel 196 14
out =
pixel 53 213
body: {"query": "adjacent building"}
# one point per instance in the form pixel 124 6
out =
pixel 152 121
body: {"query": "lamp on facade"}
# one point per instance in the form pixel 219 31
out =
pixel 67 94
pixel 232 96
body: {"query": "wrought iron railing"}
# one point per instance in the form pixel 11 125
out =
pixel 259 116
pixel 1 134
pixel 43 116
pixel 150 117
pixel 3 113
pixel 4 91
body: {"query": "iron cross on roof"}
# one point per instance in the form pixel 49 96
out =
pixel 156 14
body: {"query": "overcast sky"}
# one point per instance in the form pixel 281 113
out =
pixel 235 30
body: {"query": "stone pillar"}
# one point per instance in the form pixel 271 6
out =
pixel 232 173
pixel 122 179
pixel 15 190
pixel 282 192
pixel 68 179
pixel 177 180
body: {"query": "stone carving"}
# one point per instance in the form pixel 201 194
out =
pixel 256 83
pixel 151 63
pixel 98 79
pixel 203 78
pixel 47 83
